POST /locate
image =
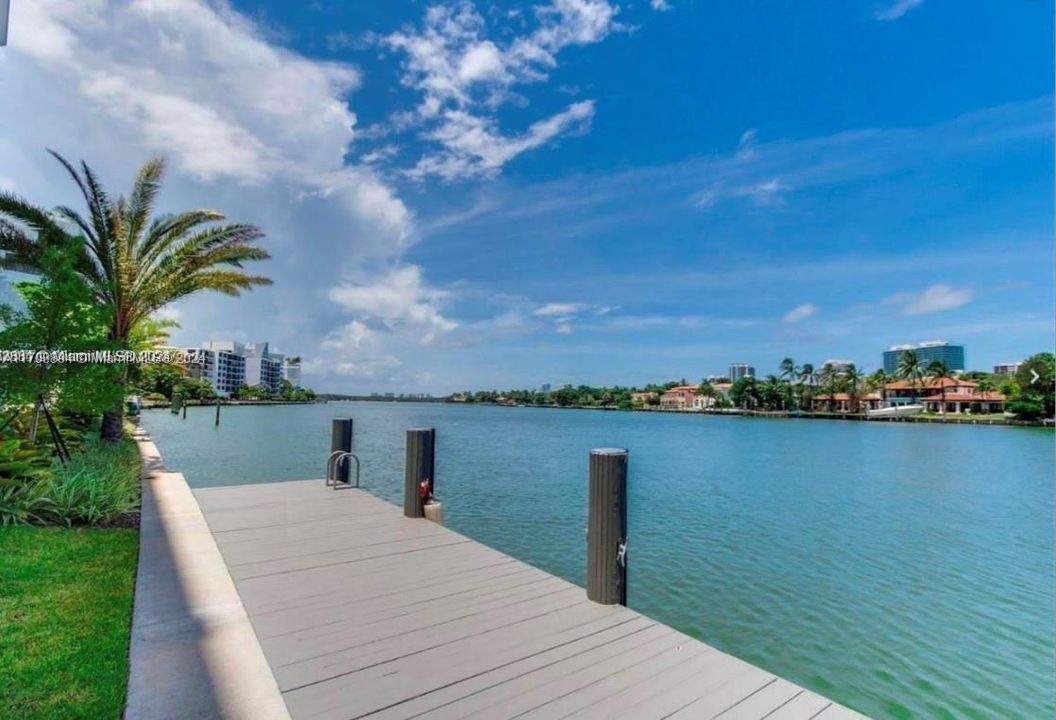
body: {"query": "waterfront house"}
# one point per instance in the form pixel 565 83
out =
pixel 679 398
pixel 843 403
pixel 957 394
pixel 644 397
pixel 722 389
pixel 905 392
pixel 703 402
pixel 973 402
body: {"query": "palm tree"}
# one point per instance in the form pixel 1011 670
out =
pixel 828 378
pixel 805 374
pixel 878 381
pixel 854 380
pixel 910 369
pixel 133 263
pixel 938 371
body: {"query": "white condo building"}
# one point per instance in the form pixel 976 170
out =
pixel 228 365
pixel 292 371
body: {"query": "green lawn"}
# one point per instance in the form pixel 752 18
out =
pixel 65 614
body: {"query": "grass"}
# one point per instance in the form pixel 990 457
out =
pixel 65 610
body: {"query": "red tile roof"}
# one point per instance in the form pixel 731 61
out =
pixel 682 389
pixel 965 397
pixel 845 396
pixel 929 384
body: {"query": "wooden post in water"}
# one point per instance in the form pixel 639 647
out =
pixel 217 423
pixel 341 441
pixel 184 411
pixel 607 527
pixel 421 450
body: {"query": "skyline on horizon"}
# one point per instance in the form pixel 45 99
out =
pixel 483 195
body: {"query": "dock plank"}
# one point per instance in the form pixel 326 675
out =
pixel 363 613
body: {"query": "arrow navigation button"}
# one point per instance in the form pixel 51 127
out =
pixel 1035 377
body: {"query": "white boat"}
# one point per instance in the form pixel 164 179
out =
pixel 895 411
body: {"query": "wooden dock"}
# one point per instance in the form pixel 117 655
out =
pixel 363 613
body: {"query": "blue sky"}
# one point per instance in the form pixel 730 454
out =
pixel 473 195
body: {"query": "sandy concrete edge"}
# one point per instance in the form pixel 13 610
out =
pixel 193 651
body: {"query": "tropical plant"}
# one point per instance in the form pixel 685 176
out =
pixel 911 370
pixel 194 389
pixel 854 380
pixel 20 460
pixel 1036 385
pixel 878 381
pixel 806 379
pixel 133 264
pixel 984 384
pixel 937 371
pixel 774 393
pixel 98 485
pixel 745 392
pixel 58 314
pixel 23 502
pixel 828 378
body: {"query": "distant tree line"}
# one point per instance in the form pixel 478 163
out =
pixel 795 387
pixel 161 383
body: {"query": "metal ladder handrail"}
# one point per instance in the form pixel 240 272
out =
pixel 333 463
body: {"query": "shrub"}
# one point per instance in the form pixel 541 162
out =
pixel 99 484
pixel 23 502
pixel 1028 407
pixel 19 459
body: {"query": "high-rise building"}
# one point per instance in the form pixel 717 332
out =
pixel 224 368
pixel 1010 368
pixel 741 370
pixel 927 352
pixel 228 365
pixel 291 370
pixel 263 368
pixel 837 364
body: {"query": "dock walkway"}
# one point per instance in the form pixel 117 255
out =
pixel 363 613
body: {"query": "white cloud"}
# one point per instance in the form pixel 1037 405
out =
pixel 764 193
pixel 194 81
pixel 563 314
pixel 767 192
pixel 935 298
pixel 896 9
pixel 555 309
pixel 746 145
pixel 255 130
pixel 475 147
pixel 463 77
pixel 398 298
pixel 799 313
pixel 660 5
pixel 641 322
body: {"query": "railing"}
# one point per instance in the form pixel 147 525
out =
pixel 333 468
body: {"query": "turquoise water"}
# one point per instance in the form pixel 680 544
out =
pixel 903 570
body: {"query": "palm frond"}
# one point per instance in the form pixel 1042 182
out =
pixel 170 229
pixel 144 192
